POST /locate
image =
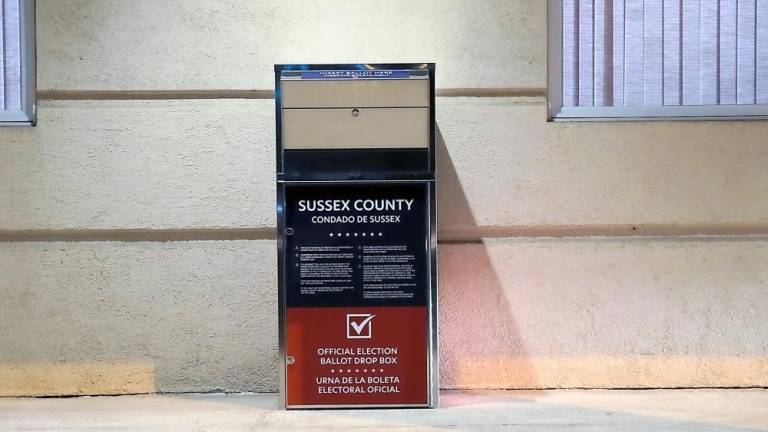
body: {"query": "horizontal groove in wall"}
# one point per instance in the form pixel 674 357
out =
pixel 253 94
pixel 152 94
pixel 445 236
pixel 476 234
pixel 492 92
pixel 137 235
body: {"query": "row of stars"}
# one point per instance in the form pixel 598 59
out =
pixel 353 234
pixel 356 370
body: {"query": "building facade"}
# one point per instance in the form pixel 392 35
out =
pixel 137 227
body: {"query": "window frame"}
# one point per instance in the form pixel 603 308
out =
pixel 27 115
pixel 557 112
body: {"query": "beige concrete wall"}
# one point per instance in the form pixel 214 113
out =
pixel 138 316
pixel 181 164
pixel 137 223
pixel 127 317
pixel 232 44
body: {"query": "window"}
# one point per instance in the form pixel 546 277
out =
pixel 17 67
pixel 658 59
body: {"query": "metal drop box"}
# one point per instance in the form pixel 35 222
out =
pixel 356 218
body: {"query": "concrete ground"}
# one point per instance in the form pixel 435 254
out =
pixel 572 410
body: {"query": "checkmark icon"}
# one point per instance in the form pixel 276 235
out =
pixel 359 326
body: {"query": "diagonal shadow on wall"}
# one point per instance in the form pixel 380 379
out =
pixel 480 342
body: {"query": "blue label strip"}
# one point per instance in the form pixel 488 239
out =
pixel 355 74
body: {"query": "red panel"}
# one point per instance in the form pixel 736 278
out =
pixel 357 355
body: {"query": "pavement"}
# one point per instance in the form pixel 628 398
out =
pixel 558 410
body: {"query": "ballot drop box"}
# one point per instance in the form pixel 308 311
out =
pixel 356 237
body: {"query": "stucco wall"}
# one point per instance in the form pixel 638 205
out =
pixel 137 228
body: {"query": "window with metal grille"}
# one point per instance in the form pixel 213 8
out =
pixel 658 58
pixel 17 71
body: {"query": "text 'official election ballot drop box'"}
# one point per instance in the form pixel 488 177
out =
pixel 356 235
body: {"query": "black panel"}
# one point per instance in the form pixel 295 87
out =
pixel 352 256
pixel 356 164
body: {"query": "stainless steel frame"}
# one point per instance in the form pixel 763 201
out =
pixel 433 389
